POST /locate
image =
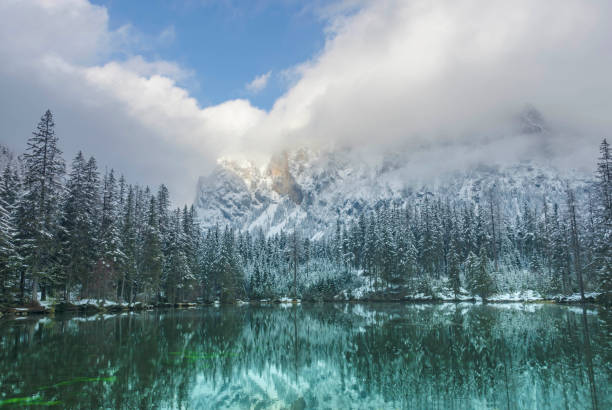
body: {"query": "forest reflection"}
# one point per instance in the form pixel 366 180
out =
pixel 316 356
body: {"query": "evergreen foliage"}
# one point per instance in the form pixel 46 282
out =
pixel 101 237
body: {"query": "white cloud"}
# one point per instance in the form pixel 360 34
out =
pixel 413 73
pixel 454 72
pixel 259 83
pixel 130 114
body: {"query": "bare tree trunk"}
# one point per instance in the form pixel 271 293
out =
pixel 493 229
pixel 123 287
pixel 571 202
pixel 35 289
pixel 22 286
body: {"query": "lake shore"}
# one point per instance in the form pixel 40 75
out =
pixel 90 306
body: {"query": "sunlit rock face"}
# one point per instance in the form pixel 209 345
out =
pixel 310 189
pixel 283 182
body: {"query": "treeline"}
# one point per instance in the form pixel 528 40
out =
pixel 85 234
pixel 450 244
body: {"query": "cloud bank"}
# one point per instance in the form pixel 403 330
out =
pixel 454 72
pixel 416 74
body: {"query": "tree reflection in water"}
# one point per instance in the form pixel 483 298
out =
pixel 321 356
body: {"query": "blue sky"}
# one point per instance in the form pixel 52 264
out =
pixel 157 89
pixel 225 44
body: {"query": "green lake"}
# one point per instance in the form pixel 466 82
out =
pixel 321 356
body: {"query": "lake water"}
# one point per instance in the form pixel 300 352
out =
pixel 439 356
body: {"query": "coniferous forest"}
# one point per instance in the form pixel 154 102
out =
pixel 76 231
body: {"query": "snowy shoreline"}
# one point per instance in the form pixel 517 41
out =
pixel 96 307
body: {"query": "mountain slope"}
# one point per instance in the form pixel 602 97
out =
pixel 310 189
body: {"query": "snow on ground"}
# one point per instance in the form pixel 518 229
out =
pixel 418 296
pixel 286 302
pixel 360 292
pixel 98 303
pixel 527 296
pixel 47 303
pixel 449 295
pixel 576 297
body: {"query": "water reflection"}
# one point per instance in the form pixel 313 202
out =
pixel 326 356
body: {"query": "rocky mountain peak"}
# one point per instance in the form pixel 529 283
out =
pixel 312 189
pixel 283 182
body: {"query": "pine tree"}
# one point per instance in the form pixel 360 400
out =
pixel 128 240
pixel 112 257
pixel 572 215
pixel 10 260
pixel 454 270
pixel 73 232
pixel 40 205
pixel 231 275
pixel 560 260
pixel 604 179
pixel 192 245
pixel 603 229
pixel 152 256
pixel 471 272
pixel 480 282
pixel 80 227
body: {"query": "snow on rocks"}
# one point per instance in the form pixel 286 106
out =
pixel 418 297
pixel 576 297
pixel 285 301
pixel 527 296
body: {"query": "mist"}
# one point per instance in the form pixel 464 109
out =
pixel 460 74
pixel 445 78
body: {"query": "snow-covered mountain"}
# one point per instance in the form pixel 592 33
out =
pixel 309 189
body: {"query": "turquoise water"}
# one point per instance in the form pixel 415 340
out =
pixel 329 356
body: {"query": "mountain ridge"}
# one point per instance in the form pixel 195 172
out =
pixel 309 189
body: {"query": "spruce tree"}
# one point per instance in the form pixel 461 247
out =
pixel 481 283
pixel 454 270
pixel 80 227
pixel 128 240
pixel 111 258
pixel 603 229
pixel 10 254
pixel 152 256
pixel 9 257
pixel 40 204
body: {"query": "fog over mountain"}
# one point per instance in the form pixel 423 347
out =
pixel 442 77
pixel 422 74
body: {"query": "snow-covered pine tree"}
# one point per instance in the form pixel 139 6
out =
pixel 480 281
pixel 10 261
pixel 75 265
pixel 80 227
pixel 112 257
pixel 454 270
pixel 232 276
pixel 572 217
pixel 40 204
pixel 192 245
pixel 603 220
pixel 152 256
